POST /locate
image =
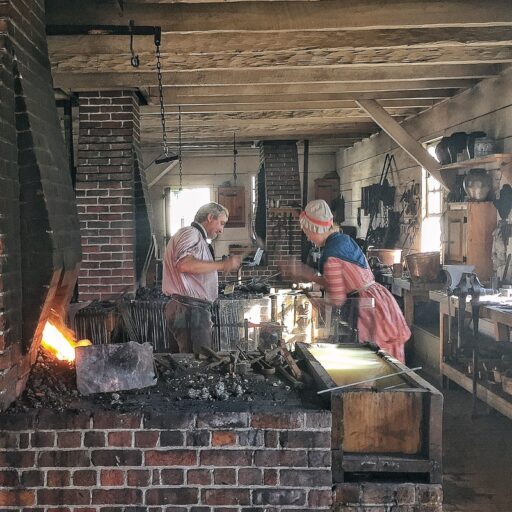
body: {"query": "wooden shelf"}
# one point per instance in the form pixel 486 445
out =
pixel 499 159
pixel 494 398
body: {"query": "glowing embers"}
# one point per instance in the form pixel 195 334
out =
pixel 61 342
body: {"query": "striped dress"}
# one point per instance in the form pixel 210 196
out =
pixel 383 324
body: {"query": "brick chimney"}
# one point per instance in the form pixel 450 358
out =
pixel 39 231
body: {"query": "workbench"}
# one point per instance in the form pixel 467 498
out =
pixel 501 318
pixel 411 292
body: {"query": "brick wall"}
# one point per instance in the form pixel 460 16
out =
pixel 39 236
pixel 378 497
pixel 106 187
pixel 181 462
pixel 280 162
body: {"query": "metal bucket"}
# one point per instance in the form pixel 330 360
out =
pixel 424 266
pixel 386 256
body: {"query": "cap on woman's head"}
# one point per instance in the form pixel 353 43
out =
pixel 316 217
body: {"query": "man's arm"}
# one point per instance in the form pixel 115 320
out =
pixel 191 265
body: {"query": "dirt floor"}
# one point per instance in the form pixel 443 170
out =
pixel 183 381
pixel 477 457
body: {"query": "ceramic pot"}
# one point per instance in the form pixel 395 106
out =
pixel 477 184
pixel 484 146
pixel 457 144
pixel 442 153
pixel 470 145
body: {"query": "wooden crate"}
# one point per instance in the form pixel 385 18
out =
pixel 384 431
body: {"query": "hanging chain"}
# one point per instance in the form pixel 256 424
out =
pixel 161 94
pixel 235 152
pixel 179 146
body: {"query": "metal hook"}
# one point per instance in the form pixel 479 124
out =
pixel 134 61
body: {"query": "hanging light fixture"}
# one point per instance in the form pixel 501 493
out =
pixel 235 152
pixel 167 156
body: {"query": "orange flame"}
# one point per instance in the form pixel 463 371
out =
pixel 62 342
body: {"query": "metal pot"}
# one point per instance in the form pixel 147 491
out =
pixel 484 146
pixel 424 266
pixel 386 256
pixel 477 184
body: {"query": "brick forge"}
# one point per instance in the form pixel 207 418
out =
pixel 280 163
pixel 183 461
pixel 39 232
pixel 112 195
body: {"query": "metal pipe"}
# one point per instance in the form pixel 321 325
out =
pixel 368 380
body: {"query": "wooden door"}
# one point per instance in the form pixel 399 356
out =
pixel 327 189
pixel 233 198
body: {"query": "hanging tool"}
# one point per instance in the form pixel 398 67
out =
pixel 134 61
pixel 167 156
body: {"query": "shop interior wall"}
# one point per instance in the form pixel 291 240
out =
pixel 213 170
pixel 487 107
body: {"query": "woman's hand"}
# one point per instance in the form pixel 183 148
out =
pixel 297 271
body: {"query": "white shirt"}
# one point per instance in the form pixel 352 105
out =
pixel 189 241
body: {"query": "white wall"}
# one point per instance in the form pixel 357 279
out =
pixel 212 170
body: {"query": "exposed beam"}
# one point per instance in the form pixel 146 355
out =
pixel 263 99
pixel 274 41
pixel 108 62
pixel 296 106
pixel 298 15
pixel 408 143
pixel 309 88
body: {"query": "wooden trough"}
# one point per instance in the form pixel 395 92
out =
pixel 391 427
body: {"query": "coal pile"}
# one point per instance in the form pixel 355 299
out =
pixel 182 380
pixel 51 384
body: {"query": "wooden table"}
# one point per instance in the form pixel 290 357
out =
pixel 411 292
pixel 501 317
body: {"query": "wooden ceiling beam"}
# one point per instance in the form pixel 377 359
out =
pixel 285 106
pixel 309 88
pixel 87 79
pixel 263 99
pixel 107 62
pixel 180 43
pixel 328 14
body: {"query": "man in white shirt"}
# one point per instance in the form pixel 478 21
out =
pixel 190 278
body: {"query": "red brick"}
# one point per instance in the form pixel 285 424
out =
pixel 223 438
pixel 58 496
pixel 226 458
pixel 42 439
pixel 17 459
pixel 285 421
pixel 171 458
pixel 224 476
pixel 172 477
pixel 225 496
pixel 199 477
pixel 112 477
pixel 270 477
pixel 250 476
pixel 120 439
pixel 56 478
pixel 69 439
pixel 117 497
pixel 84 478
pixel 16 497
pixel 9 478
pixel 138 477
pixel 289 458
pixel 172 496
